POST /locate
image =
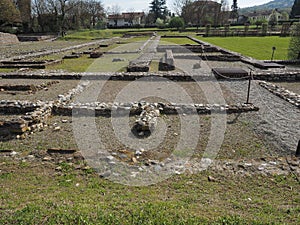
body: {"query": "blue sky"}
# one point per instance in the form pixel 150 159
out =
pixel 143 5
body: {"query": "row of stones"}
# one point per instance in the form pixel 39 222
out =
pixel 263 166
pixel 121 109
pixel 281 75
pixel 284 75
pixel 36 115
pixel 283 93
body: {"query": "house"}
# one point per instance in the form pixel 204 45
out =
pixel 264 15
pixel 259 16
pixel 126 19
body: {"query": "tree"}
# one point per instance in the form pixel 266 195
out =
pixel 159 9
pixel 234 10
pixel 294 46
pixel 176 22
pixel 179 5
pixel 273 20
pixel 285 16
pixel 95 11
pixel 24 6
pixel 9 14
pixel 114 10
pixel 60 15
pixel 295 13
pixel 201 13
pixel 159 23
pixel 224 15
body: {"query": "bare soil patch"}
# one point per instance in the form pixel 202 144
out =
pixel 291 86
pixel 48 94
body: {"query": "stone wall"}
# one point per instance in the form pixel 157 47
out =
pixel 35 118
pixel 167 61
pixel 6 38
pixel 267 75
pixel 123 109
pixel 283 93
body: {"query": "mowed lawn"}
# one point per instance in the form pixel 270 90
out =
pixel 255 47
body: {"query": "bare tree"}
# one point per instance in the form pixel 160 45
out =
pixel 95 11
pixel 114 10
pixel 179 5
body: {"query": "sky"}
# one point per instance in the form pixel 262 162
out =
pixel 143 5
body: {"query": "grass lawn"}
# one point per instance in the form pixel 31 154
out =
pixel 255 47
pixel 178 41
pixel 89 35
pixel 33 195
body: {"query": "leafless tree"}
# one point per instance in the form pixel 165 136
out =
pixel 178 6
pixel 114 10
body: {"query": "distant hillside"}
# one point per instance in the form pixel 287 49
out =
pixel 279 4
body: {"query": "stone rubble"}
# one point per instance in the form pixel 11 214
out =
pixel 147 120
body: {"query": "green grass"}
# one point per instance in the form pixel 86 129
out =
pixel 255 47
pixel 178 41
pixel 73 65
pixel 89 35
pixel 6 70
pixel 29 195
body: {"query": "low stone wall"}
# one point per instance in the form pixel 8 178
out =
pixel 15 126
pixel 24 38
pixel 6 39
pixel 28 64
pixel 105 109
pixel 35 118
pixel 208 57
pixel 277 75
pixel 285 62
pixel 267 75
pixel 8 107
pixel 188 48
pixel 283 93
pixel 139 66
pixel 167 61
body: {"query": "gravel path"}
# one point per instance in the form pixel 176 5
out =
pixel 277 120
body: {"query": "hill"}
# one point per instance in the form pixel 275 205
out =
pixel 275 4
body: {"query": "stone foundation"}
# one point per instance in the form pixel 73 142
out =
pixel 283 93
pixel 6 39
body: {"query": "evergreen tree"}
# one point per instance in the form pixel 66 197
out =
pixel 8 13
pixel 294 46
pixel 176 22
pixel 158 9
pixel 273 20
pixel 234 10
pixel 295 10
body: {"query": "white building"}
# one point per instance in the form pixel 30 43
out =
pixel 125 19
